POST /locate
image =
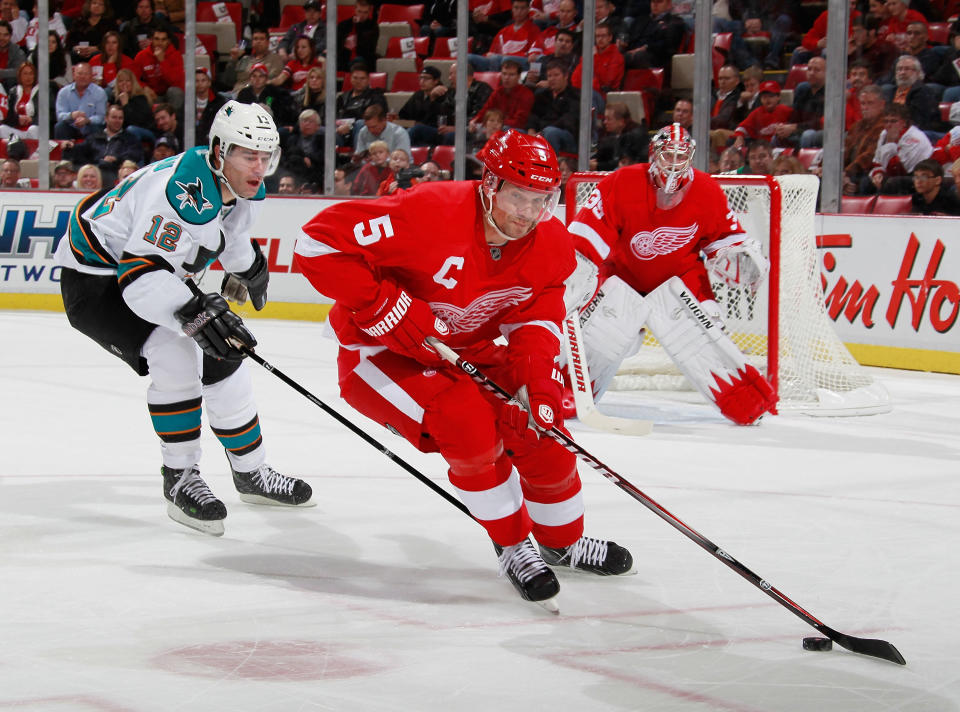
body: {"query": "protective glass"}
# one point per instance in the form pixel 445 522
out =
pixel 248 160
pixel 521 203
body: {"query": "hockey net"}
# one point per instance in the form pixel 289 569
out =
pixel 783 329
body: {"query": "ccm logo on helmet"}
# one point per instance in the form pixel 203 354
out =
pixel 542 179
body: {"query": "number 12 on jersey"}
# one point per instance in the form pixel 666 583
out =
pixel 165 239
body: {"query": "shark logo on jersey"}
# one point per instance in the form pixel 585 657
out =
pixel 192 195
pixel 661 241
pixel 480 310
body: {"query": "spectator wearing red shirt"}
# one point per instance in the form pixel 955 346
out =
pixel 511 97
pixel 295 71
pixel 519 40
pixel 815 40
pixel 566 20
pixel 160 67
pixel 608 63
pixel 110 60
pixel 762 122
pixel 899 15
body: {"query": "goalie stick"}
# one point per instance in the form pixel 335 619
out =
pixel 587 411
pixel 865 646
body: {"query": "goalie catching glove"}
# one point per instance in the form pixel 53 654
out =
pixel 402 323
pixel 739 264
pixel 207 319
pixel 252 281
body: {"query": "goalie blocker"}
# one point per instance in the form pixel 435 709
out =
pixel 687 330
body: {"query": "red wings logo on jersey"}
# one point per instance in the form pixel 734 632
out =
pixel 661 241
pixel 480 310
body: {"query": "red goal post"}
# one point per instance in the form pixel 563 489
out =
pixel 783 329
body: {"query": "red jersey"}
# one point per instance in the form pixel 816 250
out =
pixel 608 69
pixel 159 76
pixel 298 72
pixel 621 228
pixel 516 41
pixel 759 122
pixel 516 106
pixel 104 74
pixel 430 241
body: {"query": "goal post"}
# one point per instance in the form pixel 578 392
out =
pixel 783 329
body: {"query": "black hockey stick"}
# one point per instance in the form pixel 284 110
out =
pixel 355 428
pixel 247 351
pixel 866 646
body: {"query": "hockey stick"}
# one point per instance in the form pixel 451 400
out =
pixel 866 646
pixel 247 351
pixel 587 411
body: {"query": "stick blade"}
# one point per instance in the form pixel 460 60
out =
pixel 612 424
pixel 865 646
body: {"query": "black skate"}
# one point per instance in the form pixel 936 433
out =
pixel 529 575
pixel 267 486
pixel 190 501
pixel 605 558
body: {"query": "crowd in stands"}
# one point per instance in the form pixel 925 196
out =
pixel 117 87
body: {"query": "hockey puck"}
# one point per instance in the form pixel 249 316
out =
pixel 817 644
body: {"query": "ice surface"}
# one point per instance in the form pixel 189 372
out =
pixel 385 597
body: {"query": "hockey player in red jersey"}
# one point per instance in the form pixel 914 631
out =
pixel 642 236
pixel 467 262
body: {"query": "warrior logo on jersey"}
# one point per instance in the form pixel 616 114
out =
pixel 661 241
pixel 480 310
pixel 192 195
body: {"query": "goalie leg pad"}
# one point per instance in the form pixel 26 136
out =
pixel 695 340
pixel 612 325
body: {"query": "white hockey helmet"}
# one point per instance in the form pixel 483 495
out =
pixel 671 156
pixel 246 125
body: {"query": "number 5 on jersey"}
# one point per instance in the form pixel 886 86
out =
pixel 379 227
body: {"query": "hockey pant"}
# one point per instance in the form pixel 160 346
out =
pixel 512 486
pixel 182 377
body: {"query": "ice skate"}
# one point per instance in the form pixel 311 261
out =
pixel 604 558
pixel 267 486
pixel 528 574
pixel 190 501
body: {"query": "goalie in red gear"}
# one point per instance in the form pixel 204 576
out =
pixel 467 262
pixel 646 235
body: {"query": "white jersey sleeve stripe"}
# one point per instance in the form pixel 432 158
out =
pixel 558 513
pixel 590 235
pixel 306 246
pixel 381 383
pixel 494 503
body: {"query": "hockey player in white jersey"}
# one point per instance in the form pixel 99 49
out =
pixel 128 261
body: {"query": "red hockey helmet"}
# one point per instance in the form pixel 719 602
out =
pixel 671 157
pixel 515 164
pixel 526 161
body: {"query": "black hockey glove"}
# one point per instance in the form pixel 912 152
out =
pixel 207 319
pixel 235 287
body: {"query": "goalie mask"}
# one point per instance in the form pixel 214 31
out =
pixel 671 161
pixel 243 126
pixel 520 186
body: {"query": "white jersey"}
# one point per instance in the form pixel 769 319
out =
pixel 157 227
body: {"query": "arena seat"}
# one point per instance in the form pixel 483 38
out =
pixel 861 204
pixel 893 205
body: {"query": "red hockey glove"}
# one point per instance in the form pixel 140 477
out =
pixel 402 323
pixel 536 404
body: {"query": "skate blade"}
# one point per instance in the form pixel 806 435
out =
pixel 258 499
pixel 550 605
pixel 213 527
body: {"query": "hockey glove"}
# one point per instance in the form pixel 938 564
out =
pixel 741 264
pixel 207 319
pixel 537 404
pixel 402 323
pixel 253 281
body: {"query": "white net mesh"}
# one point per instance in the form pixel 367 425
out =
pixel 813 371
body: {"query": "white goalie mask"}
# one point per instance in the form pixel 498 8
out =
pixel 671 163
pixel 247 126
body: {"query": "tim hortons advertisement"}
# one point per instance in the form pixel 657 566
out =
pixel 891 284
